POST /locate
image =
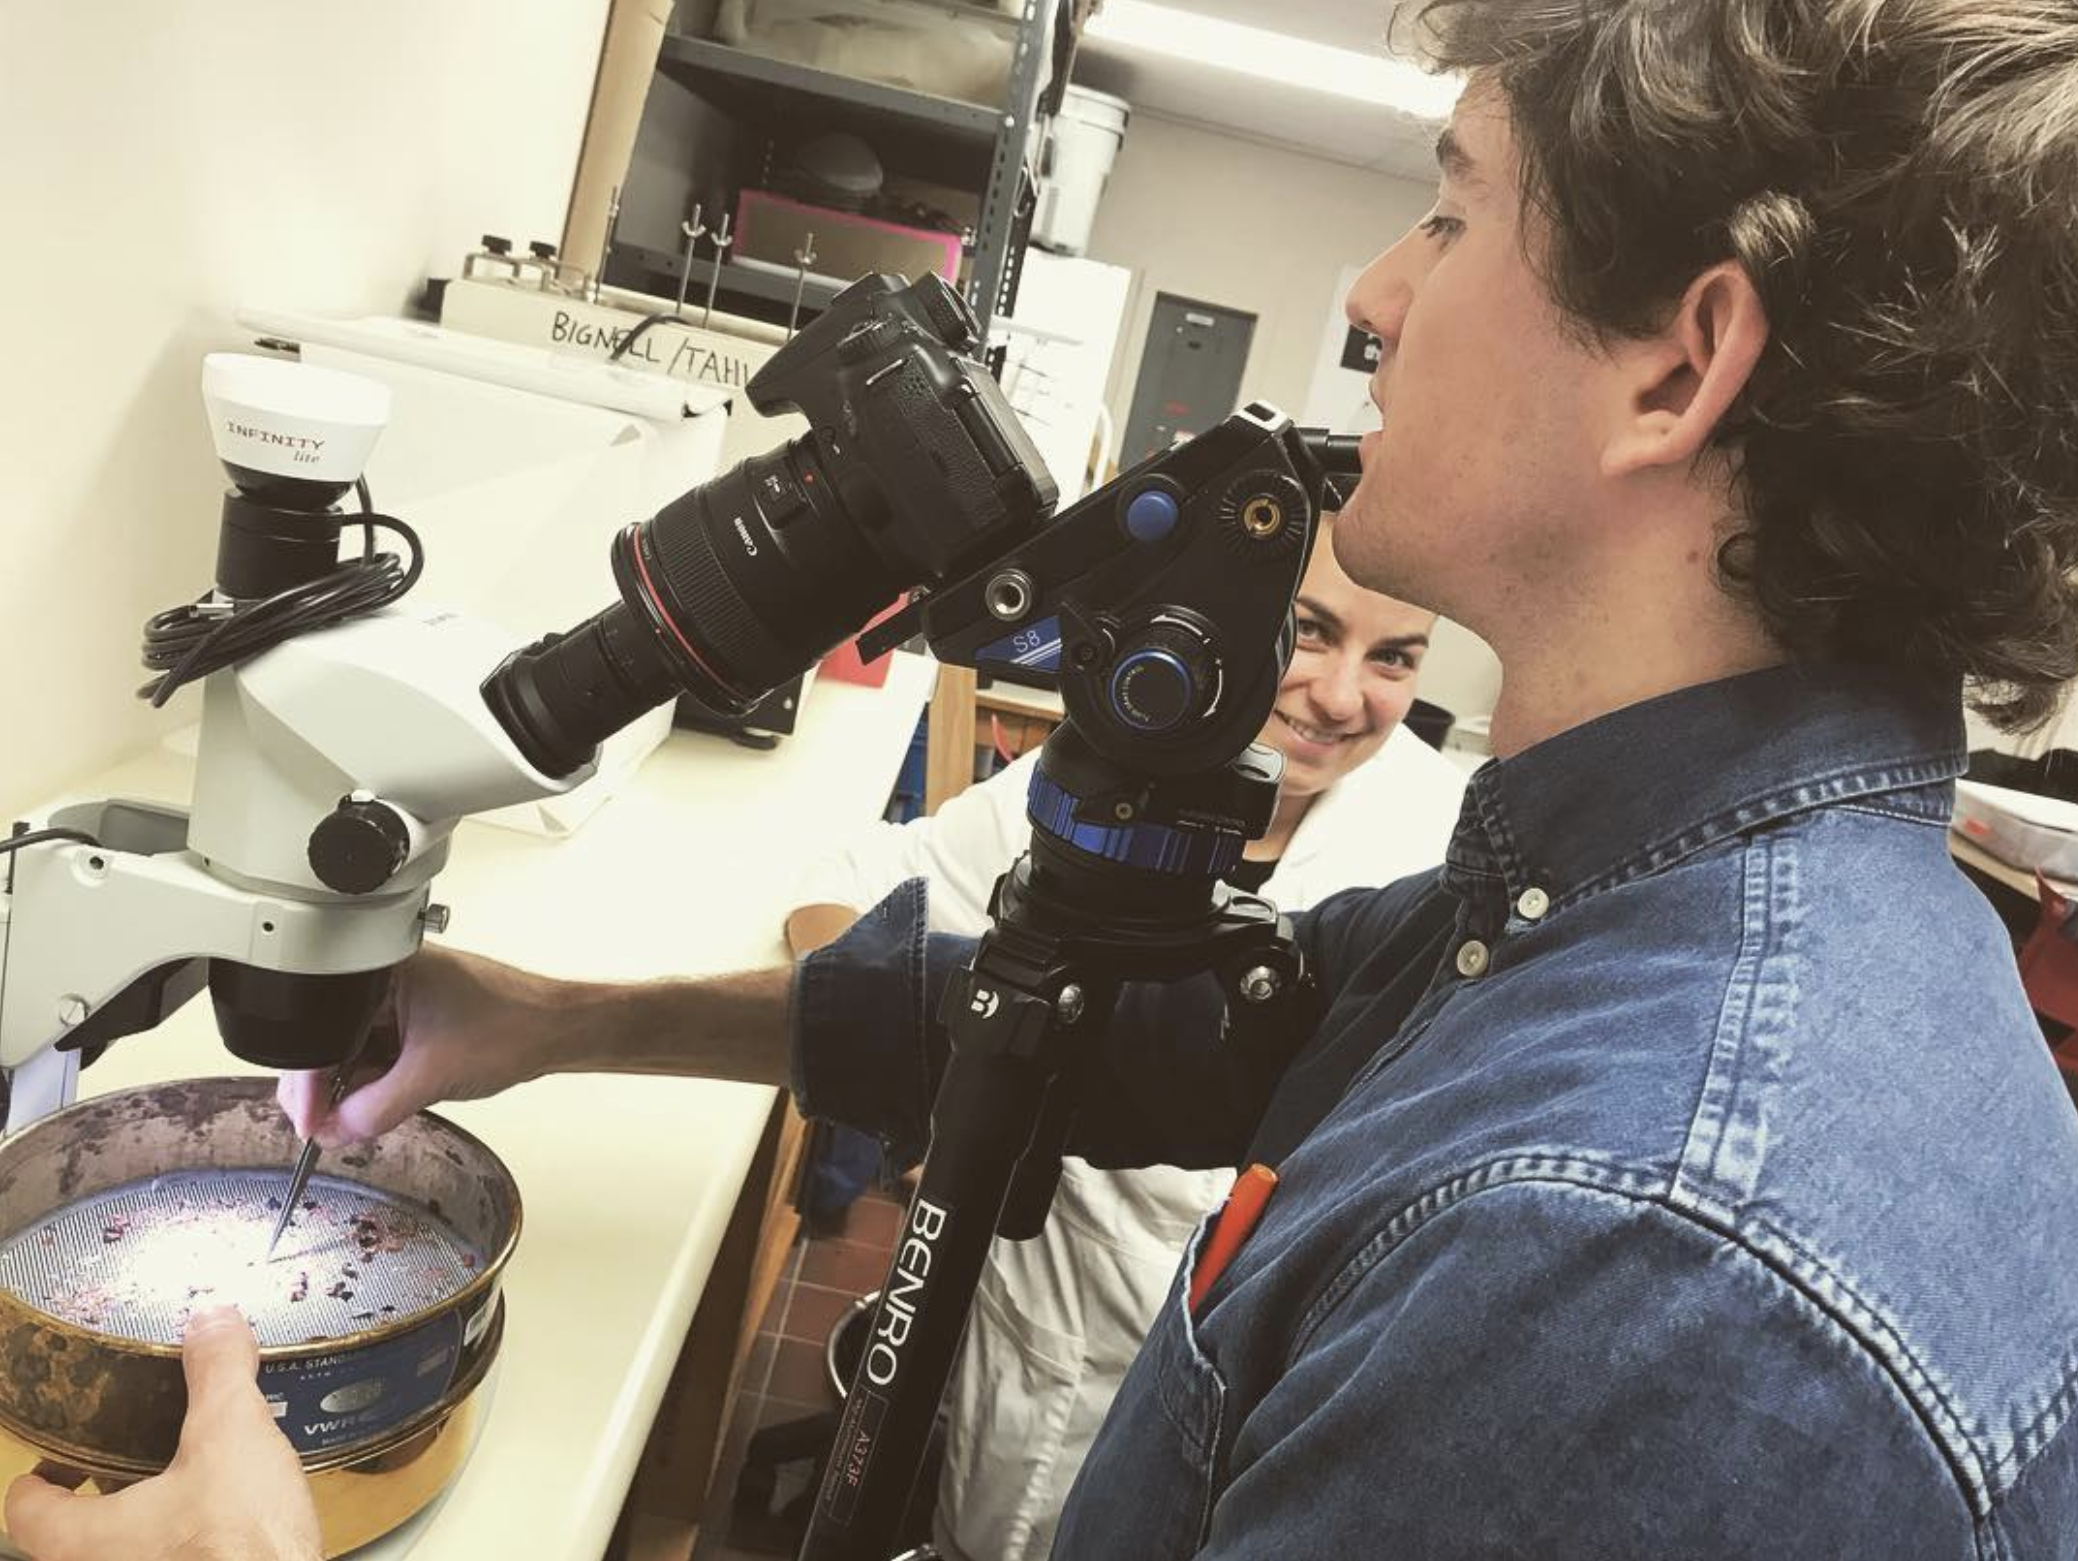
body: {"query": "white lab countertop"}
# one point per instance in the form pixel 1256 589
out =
pixel 627 1182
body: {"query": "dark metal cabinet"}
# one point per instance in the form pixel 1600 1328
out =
pixel 1190 373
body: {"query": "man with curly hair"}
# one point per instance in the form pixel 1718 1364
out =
pixel 1678 1171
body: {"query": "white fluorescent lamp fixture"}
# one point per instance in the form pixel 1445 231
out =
pixel 1278 57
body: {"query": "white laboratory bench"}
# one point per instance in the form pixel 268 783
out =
pixel 627 1182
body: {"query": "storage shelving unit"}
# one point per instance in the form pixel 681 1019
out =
pixel 754 103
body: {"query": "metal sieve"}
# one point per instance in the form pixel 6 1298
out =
pixel 379 1317
pixel 136 1260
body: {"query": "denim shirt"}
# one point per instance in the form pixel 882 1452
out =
pixel 1678 1171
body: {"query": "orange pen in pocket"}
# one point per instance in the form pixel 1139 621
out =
pixel 1237 1218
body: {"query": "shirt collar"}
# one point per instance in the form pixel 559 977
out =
pixel 1636 790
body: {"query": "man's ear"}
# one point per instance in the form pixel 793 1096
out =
pixel 1683 379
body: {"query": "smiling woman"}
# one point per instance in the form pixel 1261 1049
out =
pixel 1350 682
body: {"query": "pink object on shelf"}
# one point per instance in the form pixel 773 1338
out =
pixel 771 227
pixel 844 664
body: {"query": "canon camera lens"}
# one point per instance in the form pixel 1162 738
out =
pixel 726 593
pixel 916 468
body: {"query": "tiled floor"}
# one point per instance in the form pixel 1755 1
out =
pixel 786 1379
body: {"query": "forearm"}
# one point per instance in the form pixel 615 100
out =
pixel 870 1052
pixel 719 1027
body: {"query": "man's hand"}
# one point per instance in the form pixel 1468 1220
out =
pixel 234 1492
pixel 459 1027
pixel 462 1027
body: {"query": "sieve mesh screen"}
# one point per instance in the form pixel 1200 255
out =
pixel 135 1260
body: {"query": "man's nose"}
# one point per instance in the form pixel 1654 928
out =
pixel 1378 298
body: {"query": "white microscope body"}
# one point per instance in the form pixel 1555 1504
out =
pixel 330 773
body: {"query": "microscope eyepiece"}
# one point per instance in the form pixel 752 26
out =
pixel 563 695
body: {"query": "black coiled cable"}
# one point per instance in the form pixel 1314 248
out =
pixel 191 641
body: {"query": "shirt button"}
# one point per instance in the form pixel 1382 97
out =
pixel 1472 958
pixel 1533 904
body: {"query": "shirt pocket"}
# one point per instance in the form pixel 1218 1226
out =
pixel 1146 1492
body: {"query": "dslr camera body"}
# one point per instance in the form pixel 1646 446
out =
pixel 914 469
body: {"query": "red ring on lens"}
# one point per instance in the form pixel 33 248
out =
pixel 656 605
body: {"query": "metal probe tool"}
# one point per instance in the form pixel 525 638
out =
pixel 306 1162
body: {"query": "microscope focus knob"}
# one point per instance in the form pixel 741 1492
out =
pixel 359 845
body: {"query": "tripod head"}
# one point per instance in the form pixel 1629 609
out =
pixel 1162 604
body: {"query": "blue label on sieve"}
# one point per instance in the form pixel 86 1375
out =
pixel 327 1401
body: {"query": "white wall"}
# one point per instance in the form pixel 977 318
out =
pixel 1253 227
pixel 2060 733
pixel 165 164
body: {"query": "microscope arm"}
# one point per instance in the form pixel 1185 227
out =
pixel 86 926
pixel 330 774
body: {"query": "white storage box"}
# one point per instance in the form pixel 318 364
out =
pixel 2019 827
pixel 721 360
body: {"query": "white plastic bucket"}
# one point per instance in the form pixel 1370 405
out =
pixel 1081 145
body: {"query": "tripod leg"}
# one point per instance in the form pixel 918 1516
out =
pixel 988 1105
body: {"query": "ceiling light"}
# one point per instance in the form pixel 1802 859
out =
pixel 1278 57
